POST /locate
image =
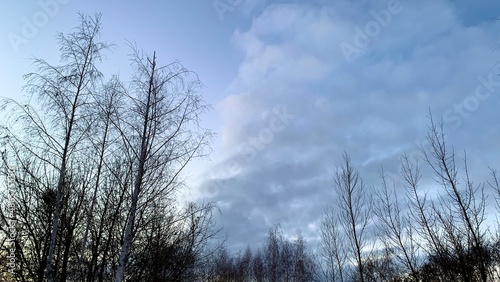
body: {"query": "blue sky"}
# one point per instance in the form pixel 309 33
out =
pixel 293 84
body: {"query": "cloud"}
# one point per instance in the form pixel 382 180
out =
pixel 373 107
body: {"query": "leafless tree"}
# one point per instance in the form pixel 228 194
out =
pixel 157 131
pixel 258 267
pixel 461 212
pixel 244 265
pixel 174 246
pixel 274 265
pixel 380 266
pixel 355 212
pixel 98 166
pixel 304 264
pixel 450 224
pixel 333 247
pixel 56 124
pixel 396 230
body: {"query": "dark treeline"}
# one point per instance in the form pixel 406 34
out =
pixel 278 259
pixel 93 166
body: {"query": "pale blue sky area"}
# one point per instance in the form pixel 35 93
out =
pixel 295 83
pixel 189 31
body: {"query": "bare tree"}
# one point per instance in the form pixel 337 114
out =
pixel 419 213
pixel 33 206
pixel 333 247
pixel 381 266
pixel 304 265
pixel 58 126
pixel 98 166
pixel 495 245
pixel 272 258
pixel 462 210
pixel 355 208
pixel 451 223
pixel 101 139
pixel 396 229
pixel 244 265
pixel 157 132
pixel 172 245
pixel 258 267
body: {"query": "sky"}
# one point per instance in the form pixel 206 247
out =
pixel 295 84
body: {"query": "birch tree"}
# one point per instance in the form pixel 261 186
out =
pixel 160 131
pixel 54 119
